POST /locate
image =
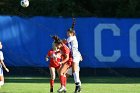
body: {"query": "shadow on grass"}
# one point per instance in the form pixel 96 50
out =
pixel 94 80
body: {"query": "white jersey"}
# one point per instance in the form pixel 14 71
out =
pixel 73 45
pixel 1 55
pixel 72 42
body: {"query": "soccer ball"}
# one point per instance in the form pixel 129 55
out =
pixel 24 3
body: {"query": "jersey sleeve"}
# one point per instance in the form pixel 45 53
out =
pixel 49 54
pixel 70 39
pixel 1 56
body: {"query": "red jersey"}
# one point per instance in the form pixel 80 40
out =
pixel 65 50
pixel 54 58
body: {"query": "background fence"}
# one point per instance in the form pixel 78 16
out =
pixel 103 42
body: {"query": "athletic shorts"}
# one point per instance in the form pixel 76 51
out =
pixel 55 67
pixel 1 70
pixel 69 72
pixel 76 56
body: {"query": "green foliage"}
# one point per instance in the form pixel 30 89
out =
pixel 67 8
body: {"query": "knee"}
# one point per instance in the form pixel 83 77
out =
pixel 53 77
pixel 61 73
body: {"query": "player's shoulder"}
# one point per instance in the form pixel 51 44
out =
pixel 51 51
pixel 65 46
pixel 73 37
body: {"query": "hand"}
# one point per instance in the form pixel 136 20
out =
pixel 7 69
pixel 81 58
pixel 47 59
pixel 60 63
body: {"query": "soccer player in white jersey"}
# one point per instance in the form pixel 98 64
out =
pixel 73 45
pixel 2 65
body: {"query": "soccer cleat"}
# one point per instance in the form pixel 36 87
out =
pixel 65 91
pixel 61 90
pixel 77 89
pixel 51 90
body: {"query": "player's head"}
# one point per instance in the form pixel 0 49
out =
pixel 71 32
pixel 0 45
pixel 58 43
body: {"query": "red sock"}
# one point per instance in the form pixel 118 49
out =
pixel 65 81
pixel 51 83
pixel 62 80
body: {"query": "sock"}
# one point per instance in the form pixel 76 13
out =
pixel 80 83
pixel 51 83
pixel 1 83
pixel 76 78
pixel 65 81
pixel 62 80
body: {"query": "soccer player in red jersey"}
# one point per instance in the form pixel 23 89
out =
pixel 66 63
pixel 55 57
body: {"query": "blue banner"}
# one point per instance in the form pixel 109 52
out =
pixel 103 42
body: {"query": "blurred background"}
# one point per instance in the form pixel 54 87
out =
pixel 103 28
pixel 77 8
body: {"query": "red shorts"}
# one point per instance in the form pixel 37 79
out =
pixel 56 67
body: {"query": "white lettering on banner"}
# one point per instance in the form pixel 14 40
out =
pixel 133 42
pixel 98 43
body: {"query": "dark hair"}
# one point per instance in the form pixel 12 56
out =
pixel 56 39
pixel 58 42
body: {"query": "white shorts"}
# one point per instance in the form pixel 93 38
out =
pixel 69 72
pixel 76 56
pixel 1 71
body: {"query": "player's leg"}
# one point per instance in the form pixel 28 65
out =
pixel 1 77
pixel 67 73
pixel 75 68
pixel 58 70
pixel 1 80
pixel 63 69
pixel 52 72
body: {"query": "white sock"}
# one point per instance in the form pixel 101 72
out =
pixel 1 83
pixel 76 78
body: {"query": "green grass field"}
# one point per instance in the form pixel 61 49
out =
pixel 89 85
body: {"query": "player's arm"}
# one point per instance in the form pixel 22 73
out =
pixel 4 66
pixel 70 39
pixel 47 58
pixel 66 59
pixel 81 58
